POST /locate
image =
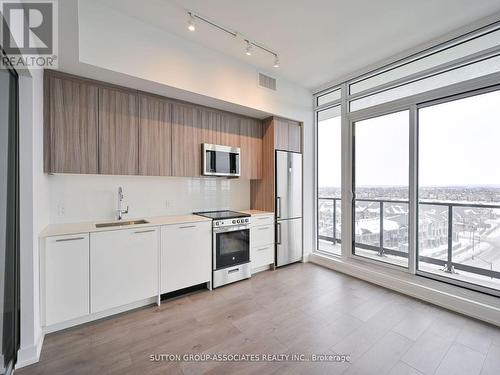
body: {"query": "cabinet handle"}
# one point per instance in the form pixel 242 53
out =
pixel 263 248
pixel 263 218
pixel 233 270
pixel 144 231
pixel 188 226
pixel 70 239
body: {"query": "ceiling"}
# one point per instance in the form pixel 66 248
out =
pixel 318 41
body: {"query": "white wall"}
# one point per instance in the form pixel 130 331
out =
pixel 75 198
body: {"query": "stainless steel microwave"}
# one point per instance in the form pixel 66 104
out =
pixel 221 160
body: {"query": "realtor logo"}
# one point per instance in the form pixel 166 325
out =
pixel 29 33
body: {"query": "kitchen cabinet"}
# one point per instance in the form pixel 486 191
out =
pixel 118 132
pixel 294 136
pixel 262 242
pixel 186 255
pixel 155 136
pixel 65 278
pixel 287 135
pixel 70 125
pixel 93 127
pixel 187 135
pixel 123 267
pixel 251 148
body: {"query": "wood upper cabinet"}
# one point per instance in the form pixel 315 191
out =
pixel 280 134
pixel 251 148
pixel 70 125
pixel 118 132
pixel 155 136
pixel 287 135
pixel 187 135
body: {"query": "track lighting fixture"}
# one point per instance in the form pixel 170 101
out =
pixel 250 45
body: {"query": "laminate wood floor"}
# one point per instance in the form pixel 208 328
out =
pixel 299 309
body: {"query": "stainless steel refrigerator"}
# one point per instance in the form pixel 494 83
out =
pixel 288 207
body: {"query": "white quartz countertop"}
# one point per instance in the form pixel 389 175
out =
pixel 87 227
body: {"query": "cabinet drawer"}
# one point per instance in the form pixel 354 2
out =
pixel 262 220
pixel 262 256
pixel 262 235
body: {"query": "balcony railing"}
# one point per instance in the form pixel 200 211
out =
pixel 448 265
pixel 334 239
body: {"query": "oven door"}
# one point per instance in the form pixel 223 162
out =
pixel 231 247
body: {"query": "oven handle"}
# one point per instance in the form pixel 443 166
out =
pixel 230 229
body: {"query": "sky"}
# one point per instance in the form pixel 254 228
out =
pixel 459 144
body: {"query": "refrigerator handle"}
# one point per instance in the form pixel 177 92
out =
pixel 278 234
pixel 278 207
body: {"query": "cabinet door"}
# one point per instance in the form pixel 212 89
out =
pixel 280 134
pixel 155 136
pixel 123 267
pixel 229 131
pixel 251 148
pixel 118 132
pixel 65 278
pixel 71 139
pixel 294 136
pixel 186 141
pixel 186 255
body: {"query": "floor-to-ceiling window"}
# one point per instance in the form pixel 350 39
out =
pixel 459 189
pixel 380 184
pixel 329 180
pixel 420 186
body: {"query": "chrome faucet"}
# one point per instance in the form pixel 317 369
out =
pixel 120 201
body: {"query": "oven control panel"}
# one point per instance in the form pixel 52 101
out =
pixel 230 222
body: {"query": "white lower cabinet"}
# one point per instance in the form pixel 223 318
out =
pixel 262 242
pixel 65 278
pixel 186 255
pixel 123 267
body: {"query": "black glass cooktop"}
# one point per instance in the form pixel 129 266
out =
pixel 221 215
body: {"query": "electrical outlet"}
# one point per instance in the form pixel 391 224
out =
pixel 167 204
pixel 61 211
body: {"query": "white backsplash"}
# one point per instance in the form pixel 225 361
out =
pixel 77 198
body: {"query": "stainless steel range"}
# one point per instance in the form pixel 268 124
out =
pixel 230 246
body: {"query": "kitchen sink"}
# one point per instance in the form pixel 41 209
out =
pixel 121 223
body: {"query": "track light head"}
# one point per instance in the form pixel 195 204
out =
pixel 248 50
pixel 276 62
pixel 191 22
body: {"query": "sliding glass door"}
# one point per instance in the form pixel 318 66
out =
pixel 459 189
pixel 9 220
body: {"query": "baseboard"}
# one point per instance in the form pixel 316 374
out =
pixel 30 354
pixel 99 315
pixel 467 302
